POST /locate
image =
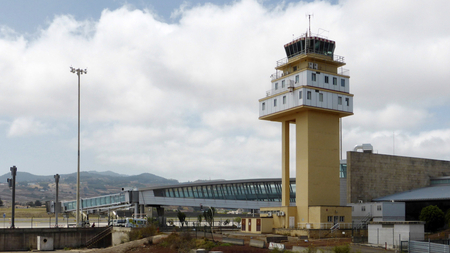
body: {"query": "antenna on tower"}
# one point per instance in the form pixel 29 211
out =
pixel 309 20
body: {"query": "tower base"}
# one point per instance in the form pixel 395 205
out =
pixel 320 217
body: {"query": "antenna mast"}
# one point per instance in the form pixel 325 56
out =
pixel 309 20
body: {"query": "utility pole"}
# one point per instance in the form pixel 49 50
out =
pixel 12 182
pixel 57 205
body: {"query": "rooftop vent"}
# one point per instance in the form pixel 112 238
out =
pixel 366 148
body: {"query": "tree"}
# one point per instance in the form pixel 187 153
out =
pixel 199 219
pixel 433 216
pixel 447 217
pixel 1 202
pixel 38 203
pixel 181 217
pixel 209 217
pixel 237 220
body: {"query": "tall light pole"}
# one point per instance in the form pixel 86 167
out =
pixel 57 205
pixel 79 72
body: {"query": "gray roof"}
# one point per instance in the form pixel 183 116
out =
pixel 441 192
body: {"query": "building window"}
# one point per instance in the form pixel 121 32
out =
pixel 300 94
pixel 378 207
pixel 339 100
pixel 334 80
pixel 297 79
pixel 363 208
pixel 263 106
pixel 326 79
pixel 276 86
pixel 275 102
pixel 313 77
pixel 321 97
pixel 282 84
pixel 330 218
pixel 295 68
pixel 308 95
pixel 347 101
pixel 341 218
pixel 343 82
pixel 284 100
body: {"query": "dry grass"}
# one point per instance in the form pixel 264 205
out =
pixel 31 212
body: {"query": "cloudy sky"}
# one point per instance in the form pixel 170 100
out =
pixel 172 87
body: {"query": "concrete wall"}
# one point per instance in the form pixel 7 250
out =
pixel 26 239
pixel 120 235
pixel 372 176
pixel 391 233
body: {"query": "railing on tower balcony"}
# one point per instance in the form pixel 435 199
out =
pixel 344 72
pixel 309 51
pixel 289 86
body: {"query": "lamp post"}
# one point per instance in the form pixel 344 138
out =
pixel 13 170
pixel 79 72
pixel 57 205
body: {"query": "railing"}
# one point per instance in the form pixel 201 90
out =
pixel 285 60
pixel 98 237
pixel 344 72
pixel 363 223
pixel 336 226
pixel 324 225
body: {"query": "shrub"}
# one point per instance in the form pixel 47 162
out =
pixel 139 233
pixel 342 249
pixel 433 216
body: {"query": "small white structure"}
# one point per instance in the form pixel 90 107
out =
pixel 391 233
pixel 378 211
pixel 44 243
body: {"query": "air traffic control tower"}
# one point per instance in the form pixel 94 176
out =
pixel 311 90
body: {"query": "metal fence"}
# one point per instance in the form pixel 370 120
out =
pixel 427 247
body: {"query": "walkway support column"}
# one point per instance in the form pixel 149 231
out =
pixel 136 210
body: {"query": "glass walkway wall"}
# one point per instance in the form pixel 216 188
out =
pixel 107 200
pixel 253 191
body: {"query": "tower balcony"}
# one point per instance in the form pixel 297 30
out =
pixel 304 53
pixel 280 74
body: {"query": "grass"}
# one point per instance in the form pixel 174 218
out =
pixel 32 212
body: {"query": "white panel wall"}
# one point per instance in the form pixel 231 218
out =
pixel 330 100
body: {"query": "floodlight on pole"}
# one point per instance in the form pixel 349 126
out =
pixel 79 72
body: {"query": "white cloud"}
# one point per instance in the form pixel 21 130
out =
pixel 181 100
pixel 22 127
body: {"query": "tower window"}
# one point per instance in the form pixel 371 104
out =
pixel 282 84
pixel 275 102
pixel 313 77
pixel 308 95
pixel 284 100
pixel 300 95
pixel 297 79
pixel 343 82
pixel 263 106
pixel 347 101
pixel 326 79
pixel 339 100
pixel 276 86
pixel 321 97
pixel 334 80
